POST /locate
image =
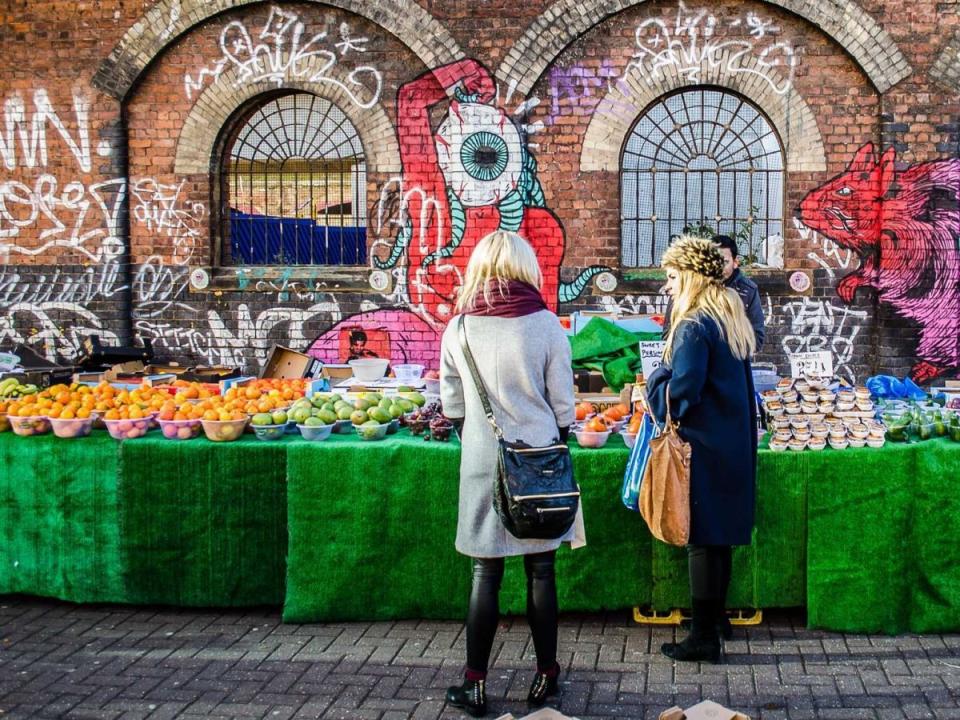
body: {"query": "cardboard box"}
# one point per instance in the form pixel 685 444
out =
pixel 336 372
pixel 282 362
pixel 706 710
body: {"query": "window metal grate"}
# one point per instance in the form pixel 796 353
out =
pixel 700 157
pixel 294 186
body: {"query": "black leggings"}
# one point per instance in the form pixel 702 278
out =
pixel 484 612
pixel 709 571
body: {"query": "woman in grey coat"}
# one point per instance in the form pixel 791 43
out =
pixel 523 358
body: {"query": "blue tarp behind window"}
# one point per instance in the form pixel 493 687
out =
pixel 266 240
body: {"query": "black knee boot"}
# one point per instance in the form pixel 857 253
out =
pixel 703 642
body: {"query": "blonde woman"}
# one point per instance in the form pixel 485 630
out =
pixel 707 370
pixel 523 359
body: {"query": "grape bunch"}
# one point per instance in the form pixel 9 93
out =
pixel 430 418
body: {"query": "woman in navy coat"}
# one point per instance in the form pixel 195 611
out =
pixel 706 369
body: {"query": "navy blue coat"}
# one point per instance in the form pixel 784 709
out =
pixel 712 397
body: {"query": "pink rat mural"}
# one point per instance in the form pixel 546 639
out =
pixel 906 229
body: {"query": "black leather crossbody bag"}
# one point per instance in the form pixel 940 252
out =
pixel 534 492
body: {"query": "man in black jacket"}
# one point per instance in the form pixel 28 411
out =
pixel 733 278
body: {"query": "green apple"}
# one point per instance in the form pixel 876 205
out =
pixel 262 419
pixel 279 417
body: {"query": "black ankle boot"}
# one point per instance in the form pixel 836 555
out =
pixel 471 697
pixel 693 650
pixel 544 686
pixel 703 643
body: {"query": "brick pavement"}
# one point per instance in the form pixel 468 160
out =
pixel 121 663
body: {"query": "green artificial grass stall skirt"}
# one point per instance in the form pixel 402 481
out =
pixel 203 523
pixel 58 517
pixel 372 529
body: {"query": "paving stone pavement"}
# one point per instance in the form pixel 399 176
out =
pixel 86 662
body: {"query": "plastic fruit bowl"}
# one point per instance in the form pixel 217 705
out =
pixel 31 425
pixel 408 372
pixel 180 429
pixel 372 432
pixel 433 385
pixel 369 369
pixel 315 432
pixel 223 430
pixel 71 427
pixel 269 432
pixel 128 429
pixel 629 439
pixel 344 427
pixel 592 439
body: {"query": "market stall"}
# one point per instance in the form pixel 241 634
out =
pixel 347 529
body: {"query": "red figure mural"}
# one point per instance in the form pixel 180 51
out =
pixel 906 230
pixel 467 179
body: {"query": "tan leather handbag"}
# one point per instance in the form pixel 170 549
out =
pixel 665 490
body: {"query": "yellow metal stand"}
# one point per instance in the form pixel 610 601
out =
pixel 738 616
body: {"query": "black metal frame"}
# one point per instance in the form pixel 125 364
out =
pixel 686 149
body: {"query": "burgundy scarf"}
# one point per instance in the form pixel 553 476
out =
pixel 519 299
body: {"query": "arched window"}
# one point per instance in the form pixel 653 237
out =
pixel 293 186
pixel 704 159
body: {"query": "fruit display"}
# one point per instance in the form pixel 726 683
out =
pixel 71 428
pixel 180 429
pixel 224 430
pixel 372 430
pixel 128 428
pixel 910 423
pixel 315 432
pixel 805 414
pixel 11 388
pixel 592 439
pixel 27 425
pixel 430 422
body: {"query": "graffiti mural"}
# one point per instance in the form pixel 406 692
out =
pixel 282 50
pixel 905 228
pixel 472 175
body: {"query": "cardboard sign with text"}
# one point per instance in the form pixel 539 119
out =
pixel 651 353
pixel 812 363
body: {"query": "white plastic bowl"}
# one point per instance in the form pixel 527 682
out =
pixel 592 439
pixel 180 429
pixel 224 430
pixel 408 373
pixel 128 429
pixel 369 369
pixel 30 425
pixel 629 439
pixel 369 432
pixel 269 432
pixel 433 385
pixel 71 427
pixel 315 432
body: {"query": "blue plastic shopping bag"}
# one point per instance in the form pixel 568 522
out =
pixel 639 456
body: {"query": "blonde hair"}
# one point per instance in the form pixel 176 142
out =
pixel 498 258
pixel 700 295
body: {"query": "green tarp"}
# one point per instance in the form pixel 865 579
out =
pixel 203 523
pixel 59 534
pixel 349 530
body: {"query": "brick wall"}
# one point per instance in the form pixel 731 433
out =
pixel 113 120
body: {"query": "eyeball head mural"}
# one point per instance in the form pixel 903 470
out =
pixel 906 230
pixel 471 175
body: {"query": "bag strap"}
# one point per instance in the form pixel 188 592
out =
pixel 481 388
pixel 668 423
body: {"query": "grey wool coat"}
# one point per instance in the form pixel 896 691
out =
pixel 524 363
